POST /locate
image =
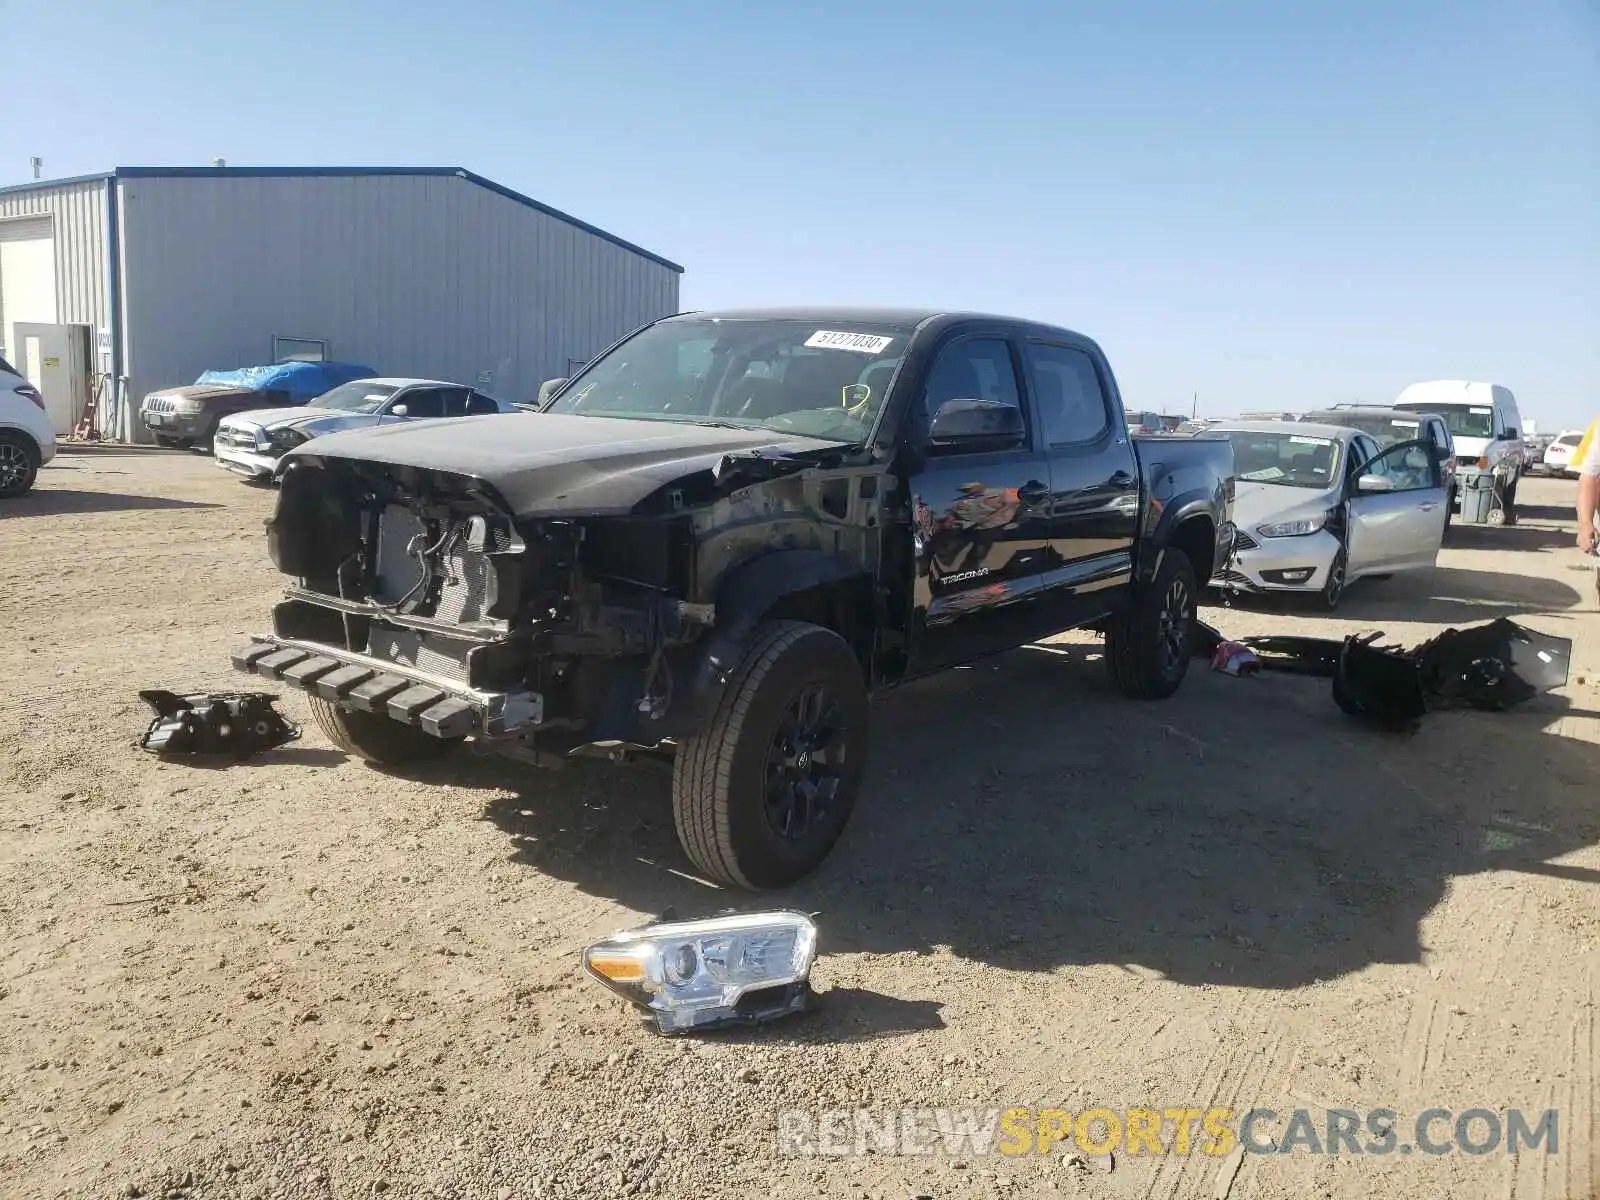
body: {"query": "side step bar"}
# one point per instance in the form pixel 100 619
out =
pixel 442 707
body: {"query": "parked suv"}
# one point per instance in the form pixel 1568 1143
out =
pixel 189 416
pixel 719 537
pixel 27 439
pixel 1391 426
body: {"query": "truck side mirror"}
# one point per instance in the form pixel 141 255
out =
pixel 550 387
pixel 399 410
pixel 964 422
pixel 1512 435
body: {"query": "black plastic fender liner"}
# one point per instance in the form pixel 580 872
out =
pixel 744 595
pixel 1149 548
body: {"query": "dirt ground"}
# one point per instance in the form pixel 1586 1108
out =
pixel 302 977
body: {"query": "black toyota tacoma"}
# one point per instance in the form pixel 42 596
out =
pixel 724 534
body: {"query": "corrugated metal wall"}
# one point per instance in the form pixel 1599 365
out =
pixel 414 275
pixel 79 212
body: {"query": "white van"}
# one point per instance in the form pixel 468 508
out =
pixel 1484 422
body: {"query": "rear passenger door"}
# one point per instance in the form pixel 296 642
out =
pixel 1094 481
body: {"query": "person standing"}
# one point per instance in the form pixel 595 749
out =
pixel 1587 459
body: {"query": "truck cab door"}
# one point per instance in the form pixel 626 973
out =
pixel 1094 483
pixel 980 509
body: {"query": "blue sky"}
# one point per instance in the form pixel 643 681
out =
pixel 1273 205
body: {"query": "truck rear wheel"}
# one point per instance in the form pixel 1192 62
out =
pixel 375 737
pixel 761 794
pixel 1148 646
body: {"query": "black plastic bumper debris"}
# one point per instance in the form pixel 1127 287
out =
pixel 1490 667
pixel 235 724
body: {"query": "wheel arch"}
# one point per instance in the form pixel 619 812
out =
pixel 800 584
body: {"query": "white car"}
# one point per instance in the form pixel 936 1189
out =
pixel 1558 455
pixel 27 439
pixel 251 443
pixel 1318 506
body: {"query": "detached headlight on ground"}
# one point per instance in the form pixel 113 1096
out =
pixel 1298 528
pixel 721 971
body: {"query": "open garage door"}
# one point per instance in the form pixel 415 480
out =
pixel 27 277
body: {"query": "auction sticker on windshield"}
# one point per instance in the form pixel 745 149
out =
pixel 861 343
pixel 1308 441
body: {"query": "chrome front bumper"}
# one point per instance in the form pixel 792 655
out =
pixel 445 708
pixel 244 462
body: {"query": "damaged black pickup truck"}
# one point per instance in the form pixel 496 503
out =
pixel 719 538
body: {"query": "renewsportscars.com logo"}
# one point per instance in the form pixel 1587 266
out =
pixel 1160 1131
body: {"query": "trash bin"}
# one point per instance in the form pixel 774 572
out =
pixel 1477 497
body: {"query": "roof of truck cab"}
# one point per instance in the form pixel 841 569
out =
pixel 865 315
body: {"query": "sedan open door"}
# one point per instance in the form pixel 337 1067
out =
pixel 1397 511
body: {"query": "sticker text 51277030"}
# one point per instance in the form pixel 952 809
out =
pixel 861 343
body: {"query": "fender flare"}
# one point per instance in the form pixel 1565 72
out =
pixel 743 595
pixel 1173 514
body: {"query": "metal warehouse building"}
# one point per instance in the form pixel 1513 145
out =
pixel 150 275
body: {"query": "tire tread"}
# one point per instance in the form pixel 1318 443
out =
pixel 1127 651
pixel 703 769
pixel 374 738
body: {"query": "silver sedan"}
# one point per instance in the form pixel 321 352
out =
pixel 1319 506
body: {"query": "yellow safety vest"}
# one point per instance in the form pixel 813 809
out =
pixel 1582 452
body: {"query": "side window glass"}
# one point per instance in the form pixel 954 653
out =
pixel 973 369
pixel 478 404
pixel 1407 465
pixel 1071 404
pixel 422 402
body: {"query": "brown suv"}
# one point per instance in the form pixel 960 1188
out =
pixel 189 415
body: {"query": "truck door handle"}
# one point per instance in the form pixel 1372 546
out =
pixel 1121 479
pixel 1032 492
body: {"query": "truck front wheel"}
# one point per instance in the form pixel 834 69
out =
pixel 375 737
pixel 1148 646
pixel 762 793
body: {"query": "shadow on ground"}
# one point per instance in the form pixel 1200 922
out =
pixel 1500 537
pixel 1456 595
pixel 1017 812
pixel 57 502
pixel 1548 512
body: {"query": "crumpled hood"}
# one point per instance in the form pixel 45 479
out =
pixel 546 464
pixel 1272 503
pixel 311 420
